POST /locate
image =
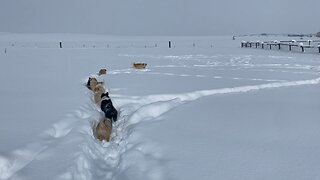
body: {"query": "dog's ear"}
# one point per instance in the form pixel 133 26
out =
pixel 107 94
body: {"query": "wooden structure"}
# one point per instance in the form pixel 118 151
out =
pixel 280 44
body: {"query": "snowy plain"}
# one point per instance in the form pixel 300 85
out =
pixel 204 109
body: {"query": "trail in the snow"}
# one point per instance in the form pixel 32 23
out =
pixel 91 159
pixel 56 146
pixel 118 159
pixel 191 96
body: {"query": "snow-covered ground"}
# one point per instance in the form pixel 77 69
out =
pixel 204 109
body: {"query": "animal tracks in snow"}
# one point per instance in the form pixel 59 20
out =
pixel 91 159
pixel 115 159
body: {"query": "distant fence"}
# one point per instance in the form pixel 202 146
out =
pixel 109 44
pixel 303 44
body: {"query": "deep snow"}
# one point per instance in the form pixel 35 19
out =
pixel 213 111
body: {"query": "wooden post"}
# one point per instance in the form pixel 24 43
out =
pixel 302 48
pixel 242 44
pixel 60 43
pixel 319 48
pixel 169 44
pixel 270 46
pixel 262 45
pixel 250 44
pixel 256 45
pixel 289 47
pixel 279 46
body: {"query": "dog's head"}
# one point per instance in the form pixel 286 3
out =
pixel 105 96
pixel 102 71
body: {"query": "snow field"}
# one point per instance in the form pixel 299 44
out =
pixel 177 118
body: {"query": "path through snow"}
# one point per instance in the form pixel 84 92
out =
pixel 92 159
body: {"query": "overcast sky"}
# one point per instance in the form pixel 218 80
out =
pixel 160 17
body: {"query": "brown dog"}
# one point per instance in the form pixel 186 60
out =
pixel 139 65
pixel 102 71
pixel 98 90
pixel 104 129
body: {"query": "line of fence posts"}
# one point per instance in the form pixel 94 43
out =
pixel 155 45
pixel 249 44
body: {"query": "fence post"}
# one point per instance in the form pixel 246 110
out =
pixel 279 46
pixel 270 46
pixel 262 45
pixel 302 48
pixel 169 44
pixel 60 44
pixel 289 47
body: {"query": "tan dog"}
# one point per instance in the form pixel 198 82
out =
pixel 102 71
pixel 98 90
pixel 104 129
pixel 92 83
pixel 139 65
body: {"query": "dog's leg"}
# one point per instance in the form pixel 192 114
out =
pixel 115 116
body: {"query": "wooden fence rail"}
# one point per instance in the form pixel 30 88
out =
pixel 280 44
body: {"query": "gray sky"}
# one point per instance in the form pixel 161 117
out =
pixel 160 17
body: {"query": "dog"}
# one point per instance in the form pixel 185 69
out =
pixel 104 129
pixel 98 90
pixel 92 83
pixel 102 72
pixel 139 65
pixel 107 107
